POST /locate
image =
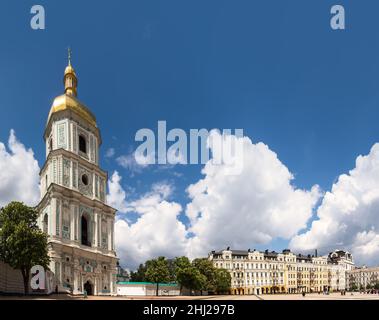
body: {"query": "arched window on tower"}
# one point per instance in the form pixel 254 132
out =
pixel 51 144
pixel 82 144
pixel 85 229
pixel 45 223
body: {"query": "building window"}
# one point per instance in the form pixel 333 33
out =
pixel 85 179
pixel 84 229
pixel 45 223
pixel 82 144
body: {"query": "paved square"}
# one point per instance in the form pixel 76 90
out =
pixel 299 297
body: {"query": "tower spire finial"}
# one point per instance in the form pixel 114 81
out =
pixel 69 55
pixel 70 81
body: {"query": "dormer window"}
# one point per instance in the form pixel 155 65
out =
pixel 82 144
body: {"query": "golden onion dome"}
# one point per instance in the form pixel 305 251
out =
pixel 69 102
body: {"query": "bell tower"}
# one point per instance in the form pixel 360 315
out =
pixel 73 207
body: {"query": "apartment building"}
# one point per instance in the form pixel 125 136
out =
pixel 363 278
pixel 265 272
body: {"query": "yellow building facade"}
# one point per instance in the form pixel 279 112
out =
pixel 264 272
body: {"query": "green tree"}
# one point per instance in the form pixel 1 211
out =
pixel 139 275
pixel 180 263
pixel 22 244
pixel 172 269
pixel 223 280
pixel 207 269
pixel 190 278
pixel 157 271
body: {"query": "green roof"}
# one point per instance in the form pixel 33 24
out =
pixel 147 283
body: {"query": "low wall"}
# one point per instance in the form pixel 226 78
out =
pixel 149 289
pixel 10 280
pixel 146 289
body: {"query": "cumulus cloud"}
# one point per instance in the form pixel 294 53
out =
pixel 239 210
pixel 252 207
pixel 157 230
pixel 117 195
pixel 19 173
pixel 348 216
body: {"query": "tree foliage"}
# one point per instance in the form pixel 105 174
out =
pixel 22 243
pixel 207 269
pixel 191 278
pixel 139 275
pixel 157 271
pixel 223 280
pixel 200 275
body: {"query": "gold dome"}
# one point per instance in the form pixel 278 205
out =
pixel 69 102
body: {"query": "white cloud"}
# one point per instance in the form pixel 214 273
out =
pixel 348 216
pixel 249 208
pixel 134 162
pixel 225 209
pixel 156 232
pixel 110 153
pixel 117 195
pixel 255 207
pixel 19 173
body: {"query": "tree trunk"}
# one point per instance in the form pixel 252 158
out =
pixel 25 277
pixel 157 289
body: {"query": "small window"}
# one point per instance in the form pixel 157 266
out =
pixel 51 144
pixel 45 223
pixel 85 179
pixel 82 144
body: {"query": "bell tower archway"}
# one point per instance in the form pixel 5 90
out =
pixel 88 288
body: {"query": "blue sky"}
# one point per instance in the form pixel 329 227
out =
pixel 273 68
